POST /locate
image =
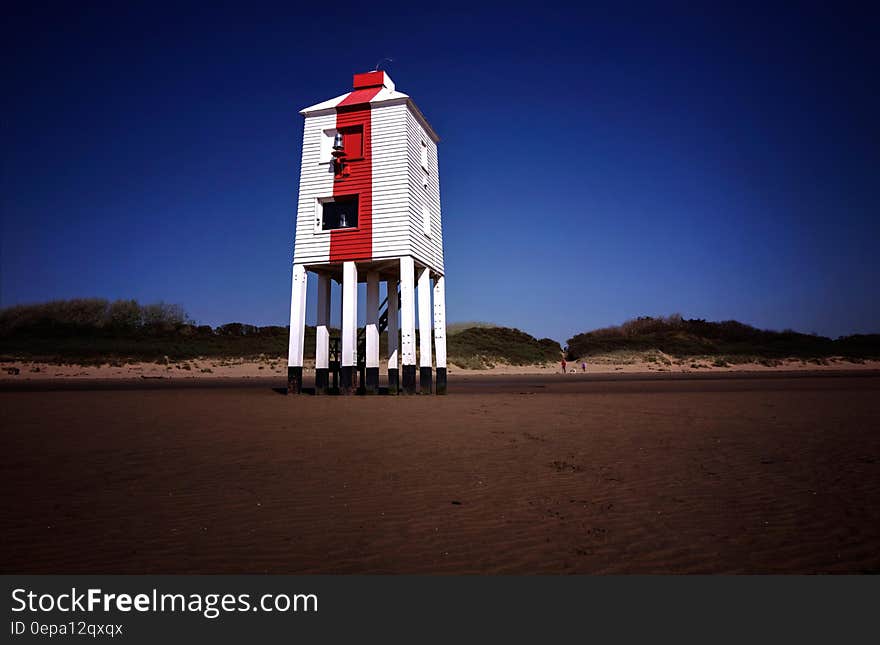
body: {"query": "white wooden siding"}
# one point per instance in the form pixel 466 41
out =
pixel 427 249
pixel 315 181
pixel 390 198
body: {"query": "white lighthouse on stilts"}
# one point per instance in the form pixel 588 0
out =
pixel 369 211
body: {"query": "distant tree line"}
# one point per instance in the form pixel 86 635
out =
pixel 119 317
pixel 92 329
pixel 94 314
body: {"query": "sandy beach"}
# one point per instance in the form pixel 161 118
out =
pixel 263 367
pixel 726 473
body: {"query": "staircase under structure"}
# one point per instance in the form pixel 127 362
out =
pixel 382 325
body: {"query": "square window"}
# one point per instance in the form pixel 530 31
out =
pixel 425 156
pixel 339 212
pixel 353 142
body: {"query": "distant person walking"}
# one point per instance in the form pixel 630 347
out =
pixel 563 366
pixel 584 366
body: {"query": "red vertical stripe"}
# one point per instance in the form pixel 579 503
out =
pixel 354 110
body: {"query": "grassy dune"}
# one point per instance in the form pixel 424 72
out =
pixel 480 347
pixel 89 331
pixel 728 342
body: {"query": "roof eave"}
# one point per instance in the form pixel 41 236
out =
pixel 329 107
pixel 421 118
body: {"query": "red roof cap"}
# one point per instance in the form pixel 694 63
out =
pixel 370 79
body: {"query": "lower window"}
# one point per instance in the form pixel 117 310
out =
pixel 340 212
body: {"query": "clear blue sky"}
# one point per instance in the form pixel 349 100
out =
pixel 717 163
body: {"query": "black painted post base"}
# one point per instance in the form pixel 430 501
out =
pixel 441 380
pixel 294 380
pixel 346 374
pixel 322 380
pixel 425 380
pixel 334 375
pixel 393 381
pixel 371 381
pixel 409 379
